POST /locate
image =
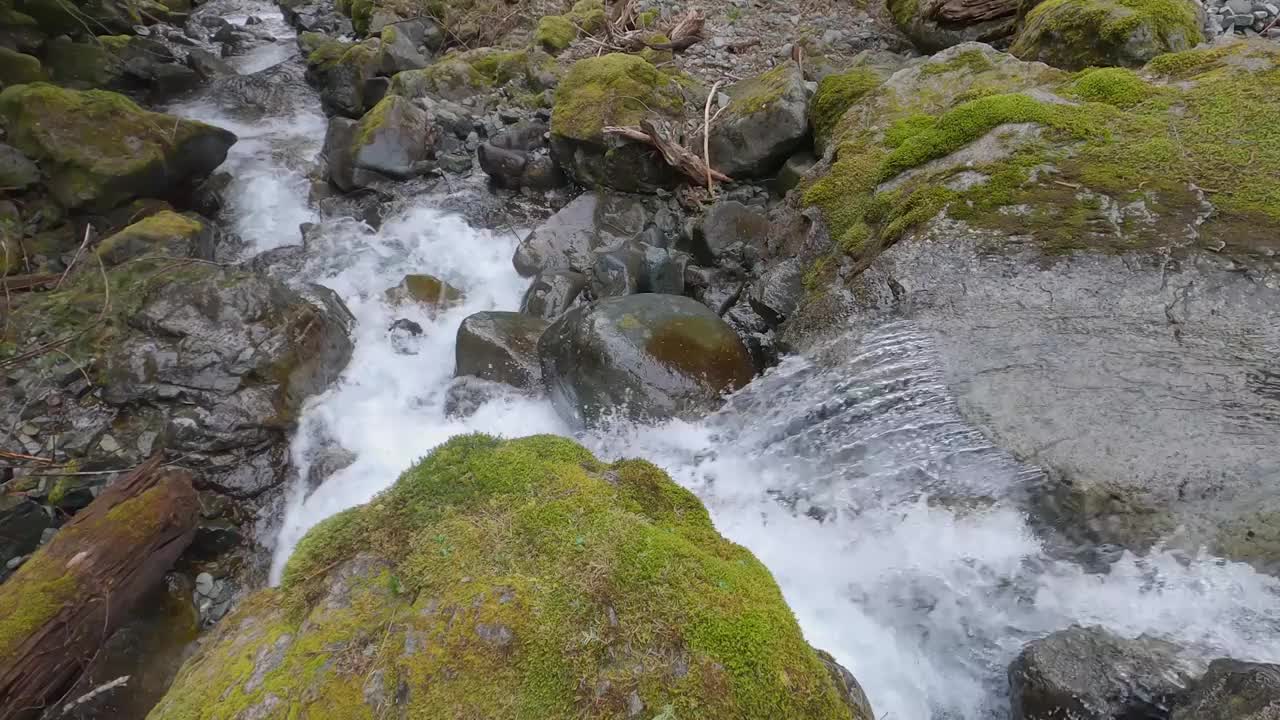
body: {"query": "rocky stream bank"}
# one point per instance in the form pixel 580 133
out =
pixel 279 280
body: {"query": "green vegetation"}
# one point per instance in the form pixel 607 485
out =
pixel 555 33
pixel 1114 86
pixel 969 60
pixel 588 15
pixel 836 93
pixel 17 68
pixel 1075 34
pixel 464 74
pixel 759 92
pixel 166 232
pixel 515 579
pixel 614 89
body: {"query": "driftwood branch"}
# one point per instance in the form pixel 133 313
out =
pixel 73 593
pixel 675 154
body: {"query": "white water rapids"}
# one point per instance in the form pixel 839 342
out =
pixel 924 581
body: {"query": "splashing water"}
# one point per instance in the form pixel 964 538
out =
pixel 893 527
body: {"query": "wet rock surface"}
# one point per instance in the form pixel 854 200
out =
pixel 501 347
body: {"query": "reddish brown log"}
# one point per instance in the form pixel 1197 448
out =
pixel 68 597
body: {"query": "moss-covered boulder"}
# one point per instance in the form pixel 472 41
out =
pixel 164 233
pixel 1076 34
pixel 342 71
pixel 18 68
pixel 939 24
pixel 613 90
pixel 767 120
pixel 393 141
pixel 124 63
pixel 428 291
pixel 516 579
pixel 555 33
pixel 17 172
pixel 99 149
pixel 1111 213
pixel 58 17
pixel 474 75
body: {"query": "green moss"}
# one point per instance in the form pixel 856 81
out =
pixel 1114 86
pixel 165 232
pixel 1075 34
pixel 17 68
pixel 753 94
pixel 518 579
pixel 835 95
pixel 647 19
pixel 85 65
pixel 615 89
pixel 657 57
pixel 1190 62
pixel 588 15
pixel 973 61
pixel 555 33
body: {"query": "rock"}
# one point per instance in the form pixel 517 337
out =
pixel 18 68
pixel 564 242
pixel 1091 674
pixel 837 92
pixel 475 75
pixel 21 523
pixel 730 229
pixel 17 172
pixel 1075 34
pixel 616 272
pixel 393 141
pixel 1233 690
pixel 100 150
pixel 555 33
pixel 340 71
pixel 500 347
pixel 400 49
pixel 207 65
pixel 459 612
pixel 646 357
pixel 466 395
pixel 518 157
pixel 552 293
pixel 848 685
pixel 605 91
pixel 767 120
pixel 936 26
pixel 268 91
pixel 778 292
pixel 165 233
pixel 793 170
pixel 134 65
pixel 662 270
pixel 426 290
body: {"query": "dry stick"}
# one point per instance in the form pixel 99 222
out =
pixel 706 137
pixel 72 264
pixel 21 456
pixel 118 682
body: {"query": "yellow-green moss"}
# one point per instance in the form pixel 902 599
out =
pixel 614 89
pixel 1075 34
pixel 1114 86
pixel 1189 62
pixel 588 15
pixel 836 93
pixel 518 579
pixel 753 94
pixel 555 33
pixel 967 61
pixel 156 234
pixel 18 68
pixel 647 19
pixel 904 11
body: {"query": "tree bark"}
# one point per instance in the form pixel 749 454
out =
pixel 70 595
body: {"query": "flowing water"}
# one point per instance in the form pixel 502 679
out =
pixel 893 528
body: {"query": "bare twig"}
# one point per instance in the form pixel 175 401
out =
pixel 87 230
pixel 706 136
pixel 20 456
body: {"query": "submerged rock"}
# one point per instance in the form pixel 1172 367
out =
pixel 501 347
pixel 645 357
pixel 438 594
pixel 767 120
pixel 426 290
pixel 100 150
pixel 1090 674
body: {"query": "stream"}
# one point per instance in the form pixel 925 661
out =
pixel 892 526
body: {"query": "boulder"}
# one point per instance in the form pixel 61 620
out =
pixel 938 25
pixel 474 76
pixel 17 172
pixel 1076 34
pixel 616 272
pixel 341 70
pixel 129 64
pixel 400 48
pixel 766 120
pixel 1233 690
pixel 393 141
pixel 18 68
pixel 438 594
pixel 645 357
pixel 976 191
pixel 778 291
pixel 662 270
pixel 552 293
pixel 615 89
pixel 730 229
pixel 793 171
pixel 426 290
pixel 100 150
pixel 564 242
pixel 518 157
pixel 1087 673
pixel 165 233
pixel 500 347
pixel 22 524
pixel 555 33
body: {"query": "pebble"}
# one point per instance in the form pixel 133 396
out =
pixel 14 563
pixel 47 535
pixel 204 584
pixel 1271 9
pixel 108 444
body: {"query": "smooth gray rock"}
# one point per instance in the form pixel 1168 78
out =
pixel 778 292
pixel 563 242
pixel 616 272
pixel 17 172
pixel 645 357
pixel 500 347
pixel 1233 690
pixel 793 170
pixel 518 156
pixel 730 229
pixel 766 121
pixel 662 270
pixel 1090 674
pixel 400 47
pixel 552 293
pixel 393 140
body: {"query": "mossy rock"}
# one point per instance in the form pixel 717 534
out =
pixel 934 26
pixel 555 33
pixel 476 74
pixel 341 70
pixel 515 579
pixel 1024 149
pixel 58 17
pixel 164 233
pixel 1075 34
pixel 100 149
pixel 426 290
pixel 613 90
pixel 588 15
pixel 18 68
pixel 84 65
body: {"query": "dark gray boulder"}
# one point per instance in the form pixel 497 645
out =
pixel 400 43
pixel 552 293
pixel 17 172
pixel 500 347
pixel 730 229
pixel 563 242
pixel 777 293
pixel 767 120
pixel 616 272
pixel 519 156
pixel 1233 690
pixel 393 141
pixel 22 522
pixel 662 270
pixel 644 357
pixel 1088 673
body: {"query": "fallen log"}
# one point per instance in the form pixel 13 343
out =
pixel 675 154
pixel 67 599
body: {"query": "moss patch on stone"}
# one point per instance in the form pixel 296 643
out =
pixel 163 233
pixel 969 60
pixel 555 33
pixel 836 93
pixel 1120 87
pixel 614 89
pixel 513 579
pixel 1075 34
pixel 18 68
